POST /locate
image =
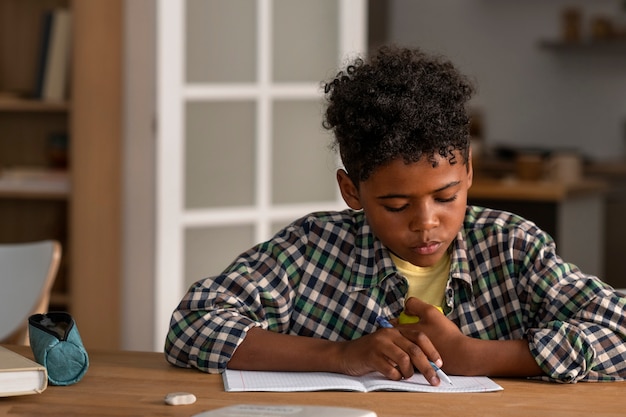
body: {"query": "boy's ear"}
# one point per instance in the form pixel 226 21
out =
pixel 349 192
pixel 470 169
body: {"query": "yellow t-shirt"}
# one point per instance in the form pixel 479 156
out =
pixel 426 283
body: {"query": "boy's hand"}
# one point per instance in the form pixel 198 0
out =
pixel 443 333
pixel 391 353
pixel 464 355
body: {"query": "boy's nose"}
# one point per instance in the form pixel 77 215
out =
pixel 424 218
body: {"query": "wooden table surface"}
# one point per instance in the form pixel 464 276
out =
pixel 135 384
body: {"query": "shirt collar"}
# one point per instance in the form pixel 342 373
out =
pixel 371 261
pixel 459 264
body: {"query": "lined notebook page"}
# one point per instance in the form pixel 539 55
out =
pixel 235 380
pixel 417 383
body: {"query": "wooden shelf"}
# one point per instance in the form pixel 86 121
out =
pixel 17 104
pixel 34 184
pixel 80 208
pixel 512 189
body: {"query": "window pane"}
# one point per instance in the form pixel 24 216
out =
pixel 303 166
pixel 219 153
pixel 315 52
pixel 209 250
pixel 221 41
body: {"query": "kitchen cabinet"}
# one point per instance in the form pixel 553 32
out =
pixel 614 174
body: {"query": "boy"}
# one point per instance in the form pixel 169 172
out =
pixel 309 298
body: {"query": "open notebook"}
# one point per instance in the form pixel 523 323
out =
pixel 235 380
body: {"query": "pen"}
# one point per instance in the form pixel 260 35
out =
pixel 383 322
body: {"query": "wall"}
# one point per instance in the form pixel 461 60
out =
pixel 530 96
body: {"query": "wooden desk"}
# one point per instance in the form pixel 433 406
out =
pixel 135 383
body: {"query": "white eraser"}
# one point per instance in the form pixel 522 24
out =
pixel 180 398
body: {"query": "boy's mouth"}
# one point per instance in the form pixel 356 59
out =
pixel 427 248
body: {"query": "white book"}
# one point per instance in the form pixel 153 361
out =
pixel 235 380
pixel 57 65
pixel 20 375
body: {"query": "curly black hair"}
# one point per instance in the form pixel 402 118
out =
pixel 401 103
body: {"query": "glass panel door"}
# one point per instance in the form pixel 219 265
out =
pixel 241 151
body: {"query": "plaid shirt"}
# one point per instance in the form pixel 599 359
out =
pixel 327 276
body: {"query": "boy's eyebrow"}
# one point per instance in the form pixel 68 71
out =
pixel 445 187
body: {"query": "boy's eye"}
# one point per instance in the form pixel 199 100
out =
pixel 447 200
pixel 396 209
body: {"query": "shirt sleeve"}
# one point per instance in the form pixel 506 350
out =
pixel 214 316
pixel 577 323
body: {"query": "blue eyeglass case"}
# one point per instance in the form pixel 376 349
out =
pixel 56 344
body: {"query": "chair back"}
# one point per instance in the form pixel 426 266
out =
pixel 27 273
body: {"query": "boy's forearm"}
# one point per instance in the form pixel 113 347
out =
pixel 263 350
pixel 266 350
pixel 505 358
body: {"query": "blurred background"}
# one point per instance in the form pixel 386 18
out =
pixel 188 131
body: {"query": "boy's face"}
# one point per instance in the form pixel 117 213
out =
pixel 416 210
